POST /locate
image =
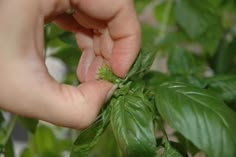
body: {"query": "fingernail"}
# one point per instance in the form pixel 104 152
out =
pixel 110 93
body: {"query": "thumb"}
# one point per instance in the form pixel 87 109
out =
pixel 76 107
pixel 34 96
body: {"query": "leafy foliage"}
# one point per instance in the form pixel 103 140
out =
pixel 88 138
pixel 183 62
pixel 200 21
pixel 196 113
pixel 195 95
pixel 224 86
pixel 132 123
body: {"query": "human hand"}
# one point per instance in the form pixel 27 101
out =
pixel 107 31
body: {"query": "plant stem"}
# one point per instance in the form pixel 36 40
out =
pixel 166 15
pixel 9 129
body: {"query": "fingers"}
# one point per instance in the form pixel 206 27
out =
pixel 116 32
pixel 67 22
pixel 125 31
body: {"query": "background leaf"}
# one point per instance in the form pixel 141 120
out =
pixel 89 137
pixel 9 149
pixel 27 153
pixel 106 146
pixel 200 20
pixel 29 124
pixel 183 62
pixel 224 86
pixel 188 145
pixel 199 116
pixel 45 142
pixel 224 60
pixel 171 151
pixel 69 38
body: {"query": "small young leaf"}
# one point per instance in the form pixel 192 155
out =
pixel 132 124
pixel 200 116
pixel 105 73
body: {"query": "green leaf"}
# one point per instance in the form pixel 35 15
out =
pixel 224 86
pixel 45 142
pixel 188 145
pixel 179 149
pixel 200 20
pixel 199 116
pixel 160 11
pixel 224 59
pixel 154 78
pixel 195 17
pixel 142 64
pixel 183 62
pixel 52 31
pixel 105 73
pixel 27 153
pixel 141 4
pixel 132 124
pixel 2 119
pixel 69 55
pixel 107 146
pixel 137 71
pixel 193 80
pixel 89 137
pixel 29 124
pixel 211 38
pixel 170 40
pixel 215 2
pixel 69 38
pixel 9 149
pixel 149 33
pixel 170 151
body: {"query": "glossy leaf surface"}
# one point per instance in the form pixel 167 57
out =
pixel 132 124
pixel 199 116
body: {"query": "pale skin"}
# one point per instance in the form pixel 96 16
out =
pixel 107 31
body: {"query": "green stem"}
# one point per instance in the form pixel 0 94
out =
pixel 166 15
pixel 9 129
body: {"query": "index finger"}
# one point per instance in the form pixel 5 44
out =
pixel 125 31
